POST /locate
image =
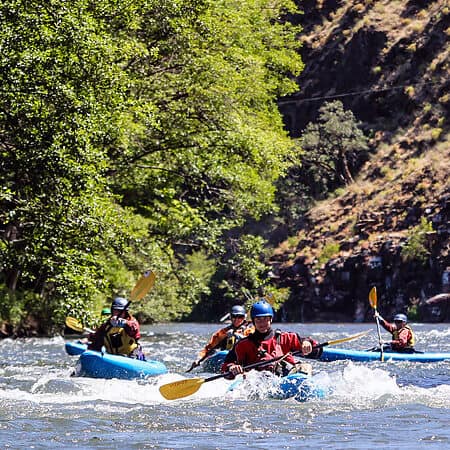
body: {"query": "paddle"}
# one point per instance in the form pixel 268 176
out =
pixel 184 388
pixel 140 290
pixel 373 304
pixel 225 317
pixel 197 363
pixel 76 325
pixel 339 341
pixel 143 285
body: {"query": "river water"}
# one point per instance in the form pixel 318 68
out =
pixel 372 405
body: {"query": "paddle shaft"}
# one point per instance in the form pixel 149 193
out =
pixel 379 337
pixel 373 300
pixel 204 357
pixel 338 341
pixel 197 363
pixel 250 366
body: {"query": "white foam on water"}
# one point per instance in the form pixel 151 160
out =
pixel 360 387
pixel 255 385
pixel 437 333
pixel 351 386
pixel 7 342
pixel 55 389
pixel 359 381
pixel 354 387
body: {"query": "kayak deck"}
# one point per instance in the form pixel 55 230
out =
pixel 75 347
pixel 104 365
pixel 336 354
pixel 299 386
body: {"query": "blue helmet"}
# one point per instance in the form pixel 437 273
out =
pixel 261 309
pixel 120 303
pixel 400 318
pixel 238 310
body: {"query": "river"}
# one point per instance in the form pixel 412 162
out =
pixel 372 405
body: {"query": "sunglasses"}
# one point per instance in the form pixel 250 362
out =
pixel 236 316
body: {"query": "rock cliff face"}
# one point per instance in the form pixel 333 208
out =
pixel 387 61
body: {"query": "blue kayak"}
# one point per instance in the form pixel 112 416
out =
pixel 75 348
pixel 335 354
pixel 299 386
pixel 104 365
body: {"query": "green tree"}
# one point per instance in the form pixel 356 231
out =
pixel 416 247
pixel 219 143
pixel 329 153
pixel 334 146
pixel 212 79
pixel 62 96
pixel 131 135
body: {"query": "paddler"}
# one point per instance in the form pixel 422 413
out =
pixel 120 333
pixel 265 343
pixel 226 338
pixel 403 338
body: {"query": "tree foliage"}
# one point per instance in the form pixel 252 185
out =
pixel 334 146
pixel 416 248
pixel 131 135
pixel 330 151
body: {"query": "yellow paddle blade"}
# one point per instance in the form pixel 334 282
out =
pixel 143 285
pixel 180 389
pixel 373 297
pixel 350 338
pixel 75 324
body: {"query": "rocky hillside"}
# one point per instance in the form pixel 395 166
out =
pixel 387 61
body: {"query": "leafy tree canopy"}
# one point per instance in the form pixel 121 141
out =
pixel 330 151
pixel 130 134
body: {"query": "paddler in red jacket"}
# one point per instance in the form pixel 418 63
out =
pixel 266 343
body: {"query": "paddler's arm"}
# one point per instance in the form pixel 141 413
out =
pixel 306 347
pixel 229 363
pixel 384 323
pixel 213 343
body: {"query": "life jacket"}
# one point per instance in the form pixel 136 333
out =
pixel 234 335
pixel 118 342
pixel 411 338
pixel 280 368
pixel 283 367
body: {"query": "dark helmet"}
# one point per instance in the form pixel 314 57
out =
pixel 120 303
pixel 238 310
pixel 261 309
pixel 400 318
